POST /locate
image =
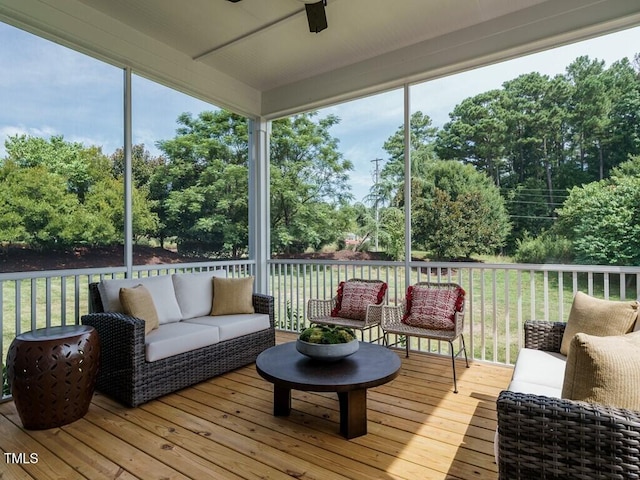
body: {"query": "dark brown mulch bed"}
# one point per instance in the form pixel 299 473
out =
pixel 21 259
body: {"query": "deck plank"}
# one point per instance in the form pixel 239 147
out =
pixel 224 428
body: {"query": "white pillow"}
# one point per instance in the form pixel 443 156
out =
pixel 160 288
pixel 194 292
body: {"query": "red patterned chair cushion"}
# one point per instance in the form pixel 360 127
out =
pixel 354 296
pixel 433 308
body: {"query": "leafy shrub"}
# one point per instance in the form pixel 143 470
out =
pixel 327 334
pixel 546 248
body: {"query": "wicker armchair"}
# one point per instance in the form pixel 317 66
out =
pixel 319 312
pixel 544 437
pixel 392 322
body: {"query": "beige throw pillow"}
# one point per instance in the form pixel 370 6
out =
pixel 232 296
pixel 137 302
pixel 604 370
pixel 598 317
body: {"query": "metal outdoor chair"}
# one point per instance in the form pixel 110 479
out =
pixel 436 319
pixel 350 312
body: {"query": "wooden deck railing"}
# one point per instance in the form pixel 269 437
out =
pixel 500 297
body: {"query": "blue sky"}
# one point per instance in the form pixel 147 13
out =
pixel 49 90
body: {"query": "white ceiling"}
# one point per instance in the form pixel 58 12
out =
pixel 258 57
pixel 267 43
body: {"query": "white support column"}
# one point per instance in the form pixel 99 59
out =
pixel 259 211
pixel 407 185
pixel 128 183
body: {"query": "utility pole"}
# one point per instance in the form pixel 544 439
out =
pixel 376 173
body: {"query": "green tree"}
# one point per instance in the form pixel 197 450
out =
pixel 36 208
pixel 308 183
pixel 391 232
pixel 77 199
pixel 476 134
pixel 590 108
pixel 387 191
pixel 458 212
pixel 200 193
pixel 79 165
pixel 142 164
pixel 623 136
pixel 602 219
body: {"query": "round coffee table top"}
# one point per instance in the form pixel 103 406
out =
pixel 54 333
pixel 370 366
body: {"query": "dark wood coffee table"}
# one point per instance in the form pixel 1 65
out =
pixel 370 366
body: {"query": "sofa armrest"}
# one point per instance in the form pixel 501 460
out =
pixel 544 437
pixel 543 335
pixel 121 340
pixel 264 304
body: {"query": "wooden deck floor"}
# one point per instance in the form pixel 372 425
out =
pixel 224 429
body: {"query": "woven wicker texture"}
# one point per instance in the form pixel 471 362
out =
pixel 551 438
pixel 126 375
pixel 392 322
pixel 319 311
pixel 392 319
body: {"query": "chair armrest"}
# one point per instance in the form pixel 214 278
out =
pixel 121 339
pixel 391 314
pixel 317 308
pixel 544 437
pixel 374 314
pixel 264 304
pixel 543 335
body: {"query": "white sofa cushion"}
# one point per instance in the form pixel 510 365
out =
pixel 538 367
pixel 178 337
pixel 160 288
pixel 233 326
pixel 521 386
pixel 194 292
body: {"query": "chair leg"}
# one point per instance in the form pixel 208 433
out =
pixel 406 345
pixel 453 360
pixel 453 364
pixel 464 349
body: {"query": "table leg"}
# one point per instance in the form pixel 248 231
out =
pixel 281 401
pixel 353 413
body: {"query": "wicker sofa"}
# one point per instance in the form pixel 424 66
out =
pixel 136 368
pixel 544 436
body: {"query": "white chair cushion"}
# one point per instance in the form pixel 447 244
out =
pixel 160 288
pixel 194 292
pixel 179 337
pixel 539 367
pixel 233 326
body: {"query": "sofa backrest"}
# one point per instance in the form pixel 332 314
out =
pixel 194 292
pixel 160 287
pixel 176 297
